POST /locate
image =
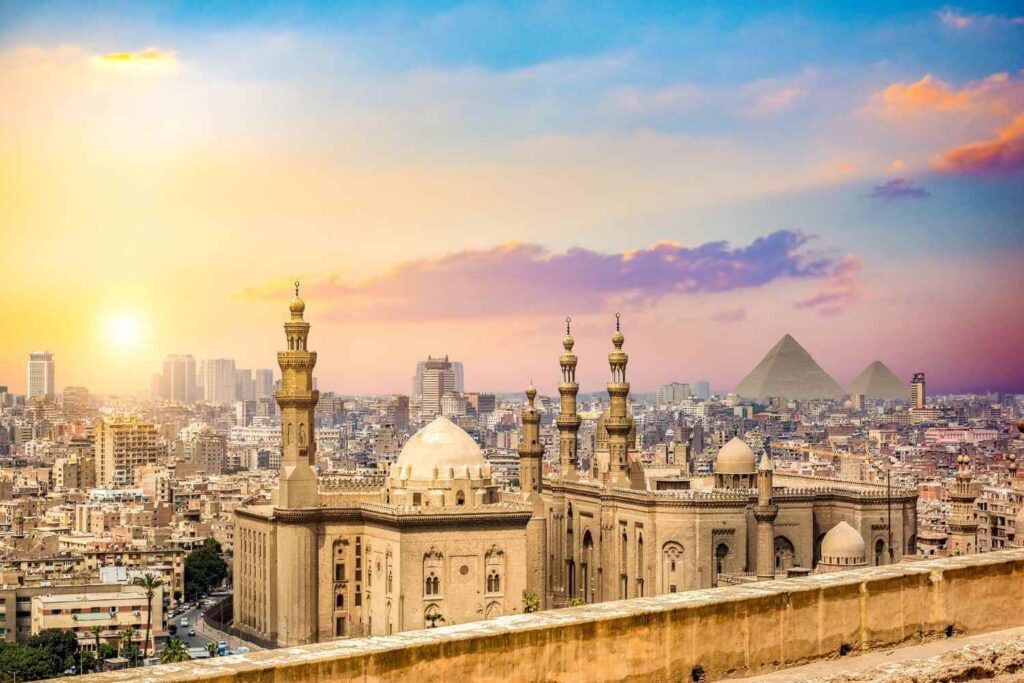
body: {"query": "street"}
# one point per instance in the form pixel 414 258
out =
pixel 193 615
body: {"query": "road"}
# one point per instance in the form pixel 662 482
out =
pixel 198 640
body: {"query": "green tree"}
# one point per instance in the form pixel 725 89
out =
pixel 96 631
pixel 27 663
pixel 61 646
pixel 87 660
pixel 211 647
pixel 531 603
pixel 151 582
pixel 107 651
pixel 204 569
pixel 174 651
pixel 127 646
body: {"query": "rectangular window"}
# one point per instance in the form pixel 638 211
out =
pixel 359 599
pixel 339 571
pixel 339 627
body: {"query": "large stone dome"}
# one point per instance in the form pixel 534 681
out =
pixel 843 545
pixel 735 457
pixel 441 450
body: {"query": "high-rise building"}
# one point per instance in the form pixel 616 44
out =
pixel 701 389
pixel 458 376
pixel 40 375
pixel 178 383
pixel 673 393
pixel 245 385
pixel 217 378
pixel 438 380
pixel 398 412
pixel 244 412
pixel 75 400
pixel 264 379
pixel 917 395
pixel 124 444
pixel 208 449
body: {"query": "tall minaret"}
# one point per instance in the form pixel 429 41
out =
pixel 568 421
pixel 531 451
pixel 617 422
pixel 297 400
pixel 765 512
pixel 962 528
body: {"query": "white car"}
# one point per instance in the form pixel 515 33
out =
pixel 183 622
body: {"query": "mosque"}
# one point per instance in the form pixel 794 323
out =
pixel 434 541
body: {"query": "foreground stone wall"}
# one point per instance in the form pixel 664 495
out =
pixel 731 631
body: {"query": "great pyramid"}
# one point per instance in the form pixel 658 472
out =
pixel 790 372
pixel 878 381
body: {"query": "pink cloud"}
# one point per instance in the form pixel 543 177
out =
pixel 1002 155
pixel 527 279
pixel 839 291
pixel 960 21
pixel 999 93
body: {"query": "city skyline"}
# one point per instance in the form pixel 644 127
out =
pixel 721 176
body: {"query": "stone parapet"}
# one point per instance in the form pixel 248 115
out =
pixel 722 632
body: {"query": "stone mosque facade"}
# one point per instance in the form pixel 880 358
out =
pixel 433 541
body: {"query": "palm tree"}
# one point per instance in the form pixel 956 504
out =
pixel 127 636
pixel 150 582
pixel 96 631
pixel 211 647
pixel 174 651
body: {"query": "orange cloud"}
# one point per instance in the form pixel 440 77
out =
pixel 1002 155
pixel 998 93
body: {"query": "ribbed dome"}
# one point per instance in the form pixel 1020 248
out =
pixel 441 447
pixel 736 457
pixel 842 542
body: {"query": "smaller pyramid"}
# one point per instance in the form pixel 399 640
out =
pixel 878 381
pixel 790 372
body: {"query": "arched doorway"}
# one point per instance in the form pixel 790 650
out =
pixel 721 552
pixel 879 552
pixel 586 562
pixel 785 554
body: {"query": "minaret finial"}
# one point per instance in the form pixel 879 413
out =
pixel 617 316
pixel 296 288
pixel 567 321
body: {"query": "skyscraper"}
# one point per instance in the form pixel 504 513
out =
pixel 917 390
pixel 123 444
pixel 438 380
pixel 217 378
pixel 701 389
pixel 673 393
pixel 178 382
pixel 264 379
pixel 40 375
pixel 245 385
pixel 458 376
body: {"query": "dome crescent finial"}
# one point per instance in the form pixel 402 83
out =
pixel 296 288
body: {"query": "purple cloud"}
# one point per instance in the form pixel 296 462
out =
pixel 838 291
pixel 898 188
pixel 516 279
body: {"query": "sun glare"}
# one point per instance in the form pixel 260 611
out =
pixel 123 330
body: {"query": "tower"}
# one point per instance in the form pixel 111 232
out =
pixel 962 534
pixel 917 390
pixel 765 513
pixel 40 375
pixel 531 452
pixel 617 422
pixel 297 399
pixel 568 421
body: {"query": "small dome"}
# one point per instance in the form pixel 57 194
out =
pixel 736 457
pixel 842 542
pixel 297 306
pixel 442 446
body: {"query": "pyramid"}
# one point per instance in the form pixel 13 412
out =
pixel 878 381
pixel 790 372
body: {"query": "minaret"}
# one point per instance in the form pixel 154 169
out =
pixel 297 400
pixel 765 512
pixel 1012 467
pixel 962 534
pixel 531 451
pixel 617 422
pixel 568 421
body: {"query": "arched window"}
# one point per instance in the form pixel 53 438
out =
pixel 879 552
pixel 671 567
pixel 585 565
pixel 339 601
pixel 494 582
pixel 460 498
pixel 624 567
pixel 721 552
pixel 785 553
pixel 639 564
pixel 432 569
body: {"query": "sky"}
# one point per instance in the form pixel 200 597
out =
pixel 457 178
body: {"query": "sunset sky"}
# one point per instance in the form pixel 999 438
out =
pixel 457 179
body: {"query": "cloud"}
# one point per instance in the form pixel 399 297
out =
pixel 960 21
pixel 671 99
pixel 775 102
pixel 999 93
pixel 898 188
pixel 1002 155
pixel 730 315
pixel 521 279
pixel 148 59
pixel 839 291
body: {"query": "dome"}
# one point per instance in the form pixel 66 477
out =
pixel 736 457
pixel 439 446
pixel 297 305
pixel 842 542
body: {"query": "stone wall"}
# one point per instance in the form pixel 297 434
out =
pixel 724 632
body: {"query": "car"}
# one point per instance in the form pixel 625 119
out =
pixel 184 622
pixel 191 633
pixel 222 643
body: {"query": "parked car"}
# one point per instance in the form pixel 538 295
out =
pixel 191 633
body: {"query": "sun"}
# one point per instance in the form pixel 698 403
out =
pixel 123 330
